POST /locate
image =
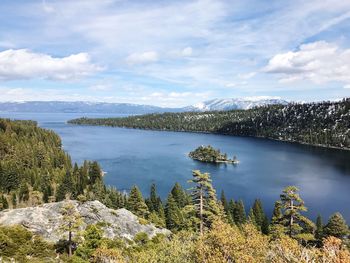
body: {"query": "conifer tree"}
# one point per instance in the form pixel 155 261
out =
pixel 259 213
pixel 154 202
pixel 232 208
pixel 319 228
pixel 226 207
pixel 204 200
pixel 179 195
pixel 136 203
pixel 71 223
pixel 336 226
pixel 173 215
pixel 265 227
pixel 66 187
pixel 95 173
pixel 293 205
pixel 239 213
pixel 277 213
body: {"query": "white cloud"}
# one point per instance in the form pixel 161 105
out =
pixel 142 58
pixel 24 64
pixel 186 52
pixel 319 62
pixel 347 86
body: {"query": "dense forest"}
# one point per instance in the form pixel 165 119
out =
pixel 205 228
pixel 35 169
pixel 324 123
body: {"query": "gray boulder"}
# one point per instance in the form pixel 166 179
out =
pixel 45 220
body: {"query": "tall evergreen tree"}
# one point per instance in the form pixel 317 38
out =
pixel 259 213
pixel 70 224
pixel 277 213
pixel 173 215
pixel 204 200
pixel 179 195
pixel 154 202
pixel 136 203
pixel 293 205
pixel 319 228
pixel 239 213
pixel 95 172
pixel 65 188
pixel 226 207
pixel 336 226
pixel 232 208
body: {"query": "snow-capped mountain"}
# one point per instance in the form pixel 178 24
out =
pixel 233 104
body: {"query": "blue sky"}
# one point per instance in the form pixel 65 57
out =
pixel 174 53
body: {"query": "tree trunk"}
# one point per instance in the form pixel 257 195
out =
pixel 201 211
pixel 70 244
pixel 291 218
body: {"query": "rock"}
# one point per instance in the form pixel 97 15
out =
pixel 44 220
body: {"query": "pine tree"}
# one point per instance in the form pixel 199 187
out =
pixel 293 205
pixel 179 195
pixel 239 213
pixel 336 226
pixel 226 207
pixel 66 187
pixel 173 216
pixel 204 200
pixel 259 213
pixel 154 202
pixel 319 228
pixel 251 218
pixel 71 223
pixel 95 173
pixel 232 208
pixel 265 227
pixel 136 203
pixel 277 213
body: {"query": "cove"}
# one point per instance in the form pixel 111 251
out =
pixel 144 157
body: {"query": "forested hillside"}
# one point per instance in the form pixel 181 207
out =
pixel 324 123
pixel 35 169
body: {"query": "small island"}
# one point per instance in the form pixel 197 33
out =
pixel 208 154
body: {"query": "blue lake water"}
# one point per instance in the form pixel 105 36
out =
pixel 144 157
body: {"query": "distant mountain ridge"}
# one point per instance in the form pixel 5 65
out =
pixel 81 107
pixel 128 108
pixel 233 104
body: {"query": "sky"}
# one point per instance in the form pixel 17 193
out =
pixel 174 53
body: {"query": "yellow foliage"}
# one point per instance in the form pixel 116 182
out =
pixel 334 252
pixel 224 243
pixel 107 255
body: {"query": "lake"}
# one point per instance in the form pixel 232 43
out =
pixel 144 157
